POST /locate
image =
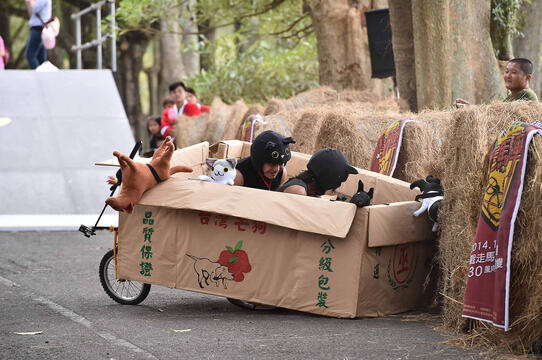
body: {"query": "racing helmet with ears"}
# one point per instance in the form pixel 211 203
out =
pixel 329 168
pixel 270 147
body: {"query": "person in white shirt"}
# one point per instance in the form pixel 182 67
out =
pixel 40 11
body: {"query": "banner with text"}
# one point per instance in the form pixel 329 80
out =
pixel 488 284
pixel 387 148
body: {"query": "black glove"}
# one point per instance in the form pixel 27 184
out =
pixel 362 198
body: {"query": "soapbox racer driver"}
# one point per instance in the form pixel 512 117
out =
pixel 264 169
pixel 326 170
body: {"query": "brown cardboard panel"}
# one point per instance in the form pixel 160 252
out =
pixel 287 210
pixel 394 224
pixel 392 279
pixel 226 149
pixel 288 268
pixel 386 189
pixel 192 155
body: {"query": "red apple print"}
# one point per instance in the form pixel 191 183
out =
pixel 236 260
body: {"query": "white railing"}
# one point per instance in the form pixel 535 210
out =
pixel 78 47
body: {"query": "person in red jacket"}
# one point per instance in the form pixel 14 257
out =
pixel 181 107
pixel 192 97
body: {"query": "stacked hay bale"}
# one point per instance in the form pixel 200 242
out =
pixel 222 122
pixel 361 119
pixel 283 122
pixel 463 159
pixel 354 128
pixel 190 130
pixel 421 146
pixel 318 96
pixel 234 122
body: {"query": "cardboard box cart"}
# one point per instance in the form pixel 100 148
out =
pixel 301 253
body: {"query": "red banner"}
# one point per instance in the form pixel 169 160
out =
pixel 488 285
pixel 247 133
pixel 387 148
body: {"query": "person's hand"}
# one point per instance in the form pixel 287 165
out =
pixel 461 102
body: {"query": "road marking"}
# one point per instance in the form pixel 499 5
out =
pixel 20 222
pixel 4 121
pixel 7 282
pixel 82 321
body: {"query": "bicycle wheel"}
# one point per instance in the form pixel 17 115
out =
pixel 124 292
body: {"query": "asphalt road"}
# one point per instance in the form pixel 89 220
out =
pixel 49 284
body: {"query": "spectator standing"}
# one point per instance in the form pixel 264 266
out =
pixel 181 107
pixel 3 52
pixel 153 128
pixel 192 97
pixel 517 74
pixel 39 11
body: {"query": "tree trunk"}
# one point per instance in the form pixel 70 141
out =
pixel 190 42
pixel 207 58
pixel 171 61
pixel 501 38
pixel 403 50
pixel 131 50
pixel 487 80
pixel 153 73
pixel 430 20
pixel 530 45
pixel 337 26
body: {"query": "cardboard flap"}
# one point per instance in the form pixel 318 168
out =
pixel 192 156
pixel 297 212
pixel 394 224
pixel 386 189
pixel 115 162
pixel 227 149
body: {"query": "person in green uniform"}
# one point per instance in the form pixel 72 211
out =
pixel 517 74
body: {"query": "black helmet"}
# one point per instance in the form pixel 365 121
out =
pixel 270 147
pixel 330 168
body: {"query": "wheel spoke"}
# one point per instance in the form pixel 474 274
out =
pixel 124 291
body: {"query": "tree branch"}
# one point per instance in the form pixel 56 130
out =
pixel 292 25
pixel 302 30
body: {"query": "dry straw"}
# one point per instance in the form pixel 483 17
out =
pixel 463 162
pixel 318 96
pixel 222 122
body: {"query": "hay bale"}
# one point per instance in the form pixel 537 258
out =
pixel 464 158
pixel 218 119
pixel 234 122
pixel 306 129
pixel 356 96
pixel 341 132
pixel 318 96
pixel 283 122
pixel 422 142
pixel 274 106
pixel 222 122
pixel 189 130
pixel 314 129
